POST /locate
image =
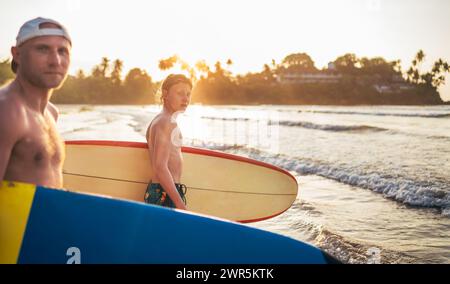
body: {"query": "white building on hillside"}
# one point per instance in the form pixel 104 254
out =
pixel 308 78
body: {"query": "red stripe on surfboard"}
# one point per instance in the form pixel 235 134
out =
pixel 190 150
pixel 263 218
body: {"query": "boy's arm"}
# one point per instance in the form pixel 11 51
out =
pixel 162 144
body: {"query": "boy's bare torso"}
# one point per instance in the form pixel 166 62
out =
pixel 175 159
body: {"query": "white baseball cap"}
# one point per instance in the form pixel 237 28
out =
pixel 32 29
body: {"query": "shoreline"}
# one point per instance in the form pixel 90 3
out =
pixel 261 104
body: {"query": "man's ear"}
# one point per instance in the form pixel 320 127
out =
pixel 15 53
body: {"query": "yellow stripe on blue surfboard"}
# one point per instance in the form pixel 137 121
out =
pixel 15 205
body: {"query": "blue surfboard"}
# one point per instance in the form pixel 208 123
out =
pixel 43 225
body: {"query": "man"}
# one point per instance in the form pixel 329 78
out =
pixel 31 149
pixel 164 144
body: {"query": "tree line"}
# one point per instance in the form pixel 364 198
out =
pixel 217 85
pixel 106 86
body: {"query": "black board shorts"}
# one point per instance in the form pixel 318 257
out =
pixel 155 194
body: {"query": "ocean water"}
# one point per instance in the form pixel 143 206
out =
pixel 374 182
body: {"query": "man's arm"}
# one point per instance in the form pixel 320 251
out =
pixel 9 133
pixel 161 151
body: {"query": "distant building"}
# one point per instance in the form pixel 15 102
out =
pixel 405 87
pixel 393 88
pixel 383 89
pixel 396 84
pixel 309 78
pixel 326 76
pixel 331 66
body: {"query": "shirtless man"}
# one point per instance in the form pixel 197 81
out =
pixel 164 145
pixel 31 149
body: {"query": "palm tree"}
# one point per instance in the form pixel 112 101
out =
pixel 437 75
pixel 166 64
pixel 396 65
pixel 96 72
pixel 229 63
pixel 413 74
pixel 219 69
pixel 185 66
pixel 202 67
pixel 117 71
pixel 80 74
pixel 104 66
pixel 274 64
pixel 420 56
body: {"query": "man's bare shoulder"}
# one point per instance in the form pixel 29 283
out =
pixel 10 106
pixel 53 110
pixel 12 113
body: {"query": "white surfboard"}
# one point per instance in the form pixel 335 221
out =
pixel 219 184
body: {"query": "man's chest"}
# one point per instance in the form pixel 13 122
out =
pixel 40 142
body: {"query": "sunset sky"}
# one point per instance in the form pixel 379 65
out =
pixel 250 32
